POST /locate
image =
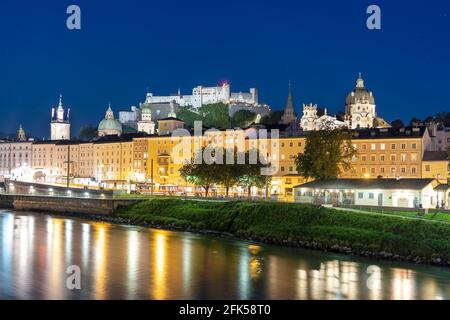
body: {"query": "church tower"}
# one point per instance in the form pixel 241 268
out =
pixel 309 118
pixel 289 115
pixel 145 124
pixel 21 134
pixel 60 122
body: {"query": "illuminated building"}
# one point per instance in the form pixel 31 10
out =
pixel 60 122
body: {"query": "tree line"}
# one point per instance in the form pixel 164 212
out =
pixel 206 175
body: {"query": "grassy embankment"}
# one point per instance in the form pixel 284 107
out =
pixel 301 225
pixel 433 215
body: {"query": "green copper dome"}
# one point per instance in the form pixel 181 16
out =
pixel 109 125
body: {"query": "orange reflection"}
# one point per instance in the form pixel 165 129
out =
pixel 54 257
pixel 403 284
pixel 160 271
pixel 100 260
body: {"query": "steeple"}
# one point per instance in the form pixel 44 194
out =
pixel 289 115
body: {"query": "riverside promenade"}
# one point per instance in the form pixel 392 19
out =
pixel 47 198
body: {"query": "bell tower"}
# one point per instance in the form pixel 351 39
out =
pixel 60 122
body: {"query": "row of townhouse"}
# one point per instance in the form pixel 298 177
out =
pixel 117 161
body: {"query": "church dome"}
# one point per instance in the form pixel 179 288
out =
pixel 360 93
pixel 109 125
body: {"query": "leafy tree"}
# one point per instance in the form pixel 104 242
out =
pixel 87 133
pixel 444 118
pixel 273 118
pixel 251 176
pixel 243 118
pixel 202 175
pixel 397 124
pixel 327 153
pixel 215 115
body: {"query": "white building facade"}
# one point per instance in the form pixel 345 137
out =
pixel 311 121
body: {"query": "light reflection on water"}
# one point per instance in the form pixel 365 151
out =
pixel 122 262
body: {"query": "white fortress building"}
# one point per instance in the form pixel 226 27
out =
pixel 60 123
pixel 207 95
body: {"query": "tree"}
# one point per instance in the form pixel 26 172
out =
pixel 444 118
pixel 397 124
pixel 243 118
pixel 273 118
pixel 252 177
pixel 327 154
pixel 87 133
pixel 215 115
pixel 415 122
pixel 188 116
pixel 202 175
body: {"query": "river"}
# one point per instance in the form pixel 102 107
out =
pixel 126 262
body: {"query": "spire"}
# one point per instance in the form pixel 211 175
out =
pixel 289 115
pixel 60 105
pixel 360 81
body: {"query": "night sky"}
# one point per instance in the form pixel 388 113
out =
pixel 126 46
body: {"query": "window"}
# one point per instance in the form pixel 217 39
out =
pixel 371 196
pixel 427 168
pixel 372 158
pixel 414 157
pixel 403 146
pixel 413 170
pixel 382 157
pixel 403 170
pixel 393 157
pixel 403 157
pixel 382 170
pixel 382 146
pixel 414 145
pixel 373 146
pixel 393 146
pixel 360 195
pixel 363 147
pixel 372 170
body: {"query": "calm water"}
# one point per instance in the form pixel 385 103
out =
pixel 121 262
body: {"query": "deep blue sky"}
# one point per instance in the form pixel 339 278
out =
pixel 126 46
